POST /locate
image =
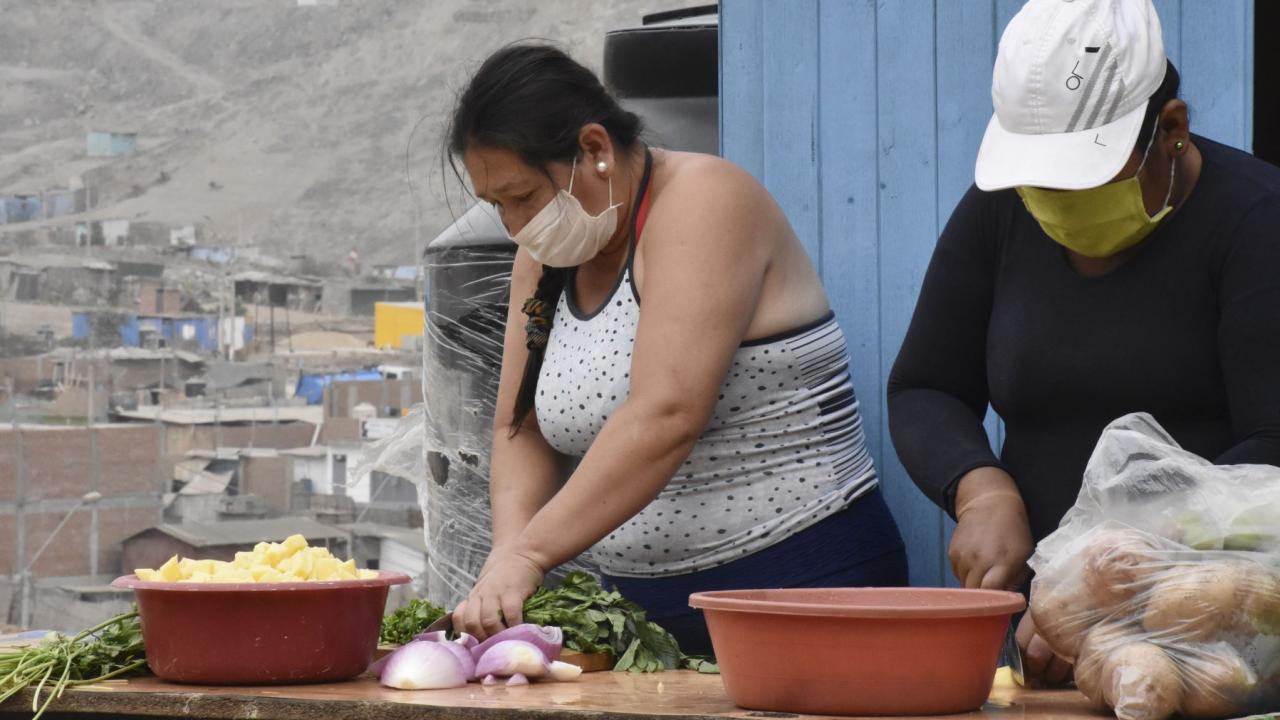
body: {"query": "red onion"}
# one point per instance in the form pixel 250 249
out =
pixel 549 640
pixel 513 657
pixel 422 665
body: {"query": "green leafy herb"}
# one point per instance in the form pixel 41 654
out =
pixel 703 664
pixel 111 649
pixel 404 624
pixel 594 620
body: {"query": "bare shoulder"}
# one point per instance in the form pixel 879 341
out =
pixel 711 189
pixel 696 173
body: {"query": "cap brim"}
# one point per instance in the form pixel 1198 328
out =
pixel 1060 161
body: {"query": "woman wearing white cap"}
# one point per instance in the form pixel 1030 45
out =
pixel 1107 261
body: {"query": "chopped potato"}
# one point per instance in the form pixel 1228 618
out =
pixel 289 561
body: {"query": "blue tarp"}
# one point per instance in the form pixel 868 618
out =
pixel 312 387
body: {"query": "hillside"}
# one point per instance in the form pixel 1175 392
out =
pixel 269 123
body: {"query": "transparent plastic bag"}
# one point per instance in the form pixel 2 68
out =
pixel 1162 584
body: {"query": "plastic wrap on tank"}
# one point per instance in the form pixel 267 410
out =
pixel 468 275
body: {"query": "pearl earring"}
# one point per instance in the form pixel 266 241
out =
pixel 602 166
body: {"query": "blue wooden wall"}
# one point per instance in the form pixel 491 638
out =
pixel 864 119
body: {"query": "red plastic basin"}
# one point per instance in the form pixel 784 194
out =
pixel 261 633
pixel 858 651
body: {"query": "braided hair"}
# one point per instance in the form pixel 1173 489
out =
pixel 533 99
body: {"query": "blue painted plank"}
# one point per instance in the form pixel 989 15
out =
pixel 849 262
pixel 1246 112
pixel 1214 68
pixel 1003 12
pixel 965 48
pixel 741 84
pixel 1170 12
pixel 791 115
pixel 967 39
pixel 908 231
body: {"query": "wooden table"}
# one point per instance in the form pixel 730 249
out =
pixel 599 696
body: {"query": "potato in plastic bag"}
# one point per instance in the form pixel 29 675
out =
pixel 1162 584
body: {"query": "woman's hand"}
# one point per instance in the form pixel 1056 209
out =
pixel 497 600
pixel 992 541
pixel 1040 666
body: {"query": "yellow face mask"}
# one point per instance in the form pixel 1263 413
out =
pixel 1097 222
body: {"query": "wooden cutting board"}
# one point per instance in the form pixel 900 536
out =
pixel 589 662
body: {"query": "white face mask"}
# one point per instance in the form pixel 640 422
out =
pixel 563 234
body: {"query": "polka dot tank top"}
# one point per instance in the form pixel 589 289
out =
pixel 783 450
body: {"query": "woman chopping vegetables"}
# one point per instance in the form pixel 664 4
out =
pixel 667 328
pixel 1108 261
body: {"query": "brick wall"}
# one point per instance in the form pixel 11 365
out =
pixel 270 478
pixel 59 470
pixel 341 397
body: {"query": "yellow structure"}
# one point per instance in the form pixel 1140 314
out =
pixel 395 322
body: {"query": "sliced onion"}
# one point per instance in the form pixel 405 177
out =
pixel 517 679
pixel 376 667
pixel 422 665
pixel 457 647
pixel 489 680
pixel 465 659
pixel 467 640
pixel 564 672
pixel 513 657
pixel 549 640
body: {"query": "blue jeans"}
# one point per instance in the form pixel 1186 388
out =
pixel 857 547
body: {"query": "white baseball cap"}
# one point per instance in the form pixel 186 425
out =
pixel 1070 88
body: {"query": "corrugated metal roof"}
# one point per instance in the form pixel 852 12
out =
pixel 409 537
pixel 125 354
pixel 55 261
pixel 247 532
pixel 258 276
pixel 313 414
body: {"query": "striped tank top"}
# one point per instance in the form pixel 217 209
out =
pixel 783 450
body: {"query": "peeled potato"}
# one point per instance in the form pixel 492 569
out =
pixel 289 561
pixel 1196 603
pixel 1216 681
pixel 1141 682
pixel 1118 564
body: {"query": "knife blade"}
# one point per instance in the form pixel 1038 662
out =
pixel 445 623
pixel 1012 655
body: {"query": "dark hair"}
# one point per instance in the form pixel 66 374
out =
pixel 533 100
pixel 1167 91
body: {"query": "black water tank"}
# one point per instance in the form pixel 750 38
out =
pixel 667 72
pixel 468 274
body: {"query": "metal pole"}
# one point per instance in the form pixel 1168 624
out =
pixel 162 483
pixel 218 345
pixel 95 480
pixel 20 506
pixel 89 497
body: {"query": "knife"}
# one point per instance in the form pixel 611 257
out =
pixel 1012 655
pixel 445 623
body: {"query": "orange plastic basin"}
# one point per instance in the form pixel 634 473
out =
pixel 858 651
pixel 261 633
